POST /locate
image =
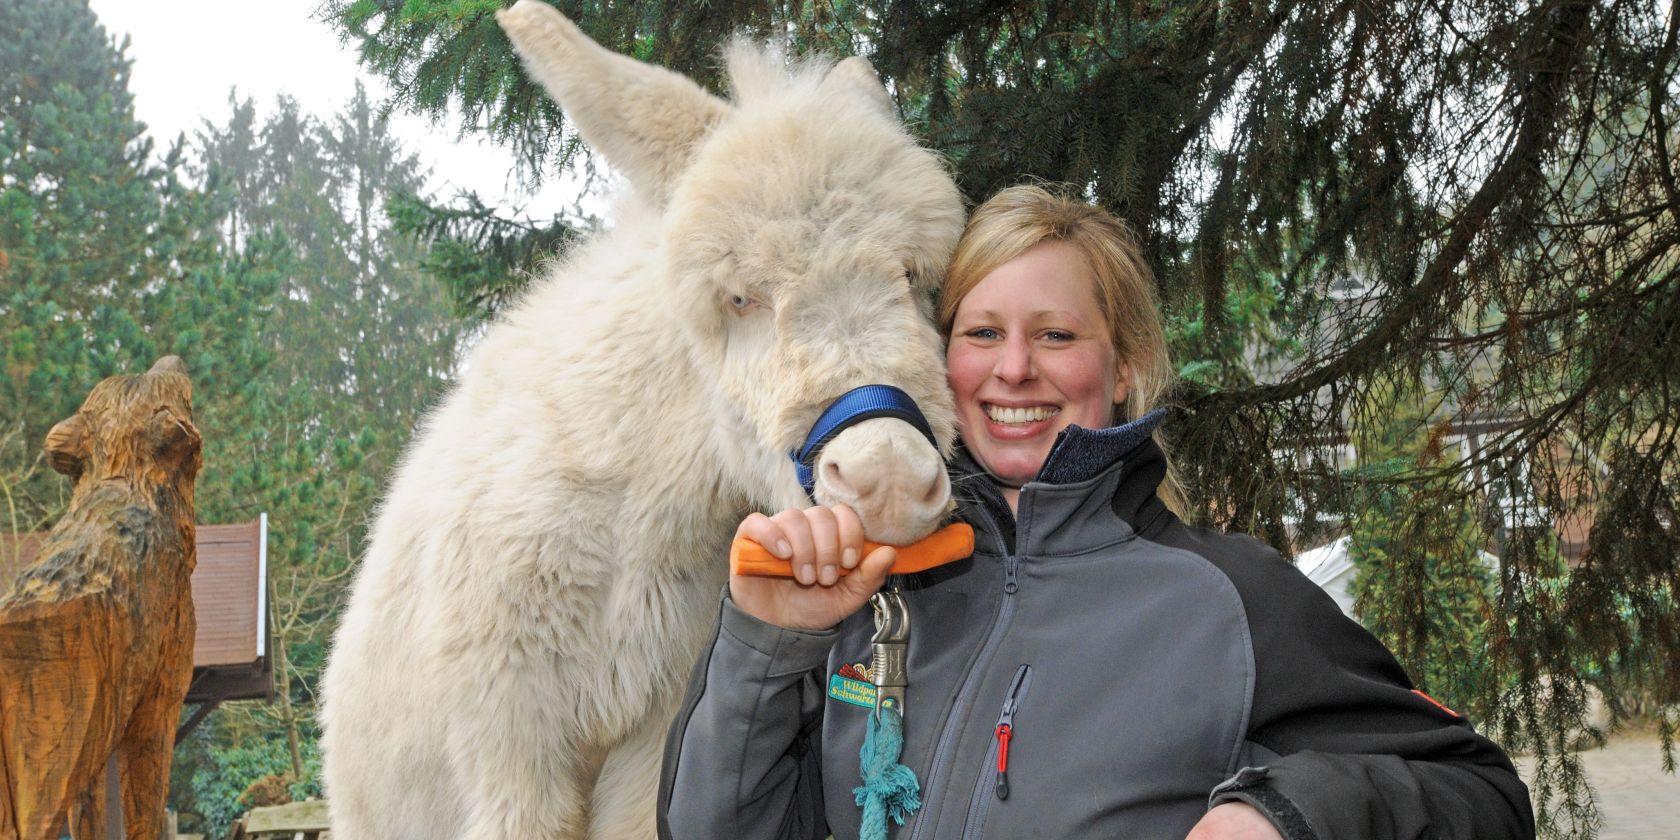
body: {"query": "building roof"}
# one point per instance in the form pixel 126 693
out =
pixel 230 598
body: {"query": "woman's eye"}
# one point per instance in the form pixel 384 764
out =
pixel 983 333
pixel 1058 335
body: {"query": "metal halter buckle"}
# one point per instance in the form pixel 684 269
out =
pixel 891 640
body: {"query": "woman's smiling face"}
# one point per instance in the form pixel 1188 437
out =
pixel 1030 354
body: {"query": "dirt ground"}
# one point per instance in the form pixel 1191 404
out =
pixel 1636 798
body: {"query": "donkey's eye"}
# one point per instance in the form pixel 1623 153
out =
pixel 742 303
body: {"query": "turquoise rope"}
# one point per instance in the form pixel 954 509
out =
pixel 889 788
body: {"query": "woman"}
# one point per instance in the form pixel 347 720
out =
pixel 1157 680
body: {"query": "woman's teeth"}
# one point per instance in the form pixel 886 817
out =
pixel 1001 414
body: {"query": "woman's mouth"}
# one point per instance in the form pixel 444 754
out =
pixel 1019 415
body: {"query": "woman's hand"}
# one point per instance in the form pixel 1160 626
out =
pixel 1234 821
pixel 820 541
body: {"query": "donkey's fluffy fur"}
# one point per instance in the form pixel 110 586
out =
pixel 548 558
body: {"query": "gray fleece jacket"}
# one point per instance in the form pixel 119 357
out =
pixel 1147 670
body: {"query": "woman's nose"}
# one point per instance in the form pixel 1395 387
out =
pixel 1014 362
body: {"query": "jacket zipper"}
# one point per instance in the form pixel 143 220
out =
pixel 1005 729
pixel 942 753
pixel 997 758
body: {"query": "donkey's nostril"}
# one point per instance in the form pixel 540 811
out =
pixel 836 481
pixel 937 489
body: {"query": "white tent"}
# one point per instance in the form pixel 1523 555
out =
pixel 1332 569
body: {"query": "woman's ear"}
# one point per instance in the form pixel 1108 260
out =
pixel 1122 382
pixel 67 445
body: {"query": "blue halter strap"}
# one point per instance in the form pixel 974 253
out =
pixel 855 406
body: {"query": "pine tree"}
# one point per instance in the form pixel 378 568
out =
pixel 360 342
pixel 262 254
pixel 1423 583
pixel 108 259
pixel 75 204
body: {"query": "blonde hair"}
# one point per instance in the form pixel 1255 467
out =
pixel 1020 217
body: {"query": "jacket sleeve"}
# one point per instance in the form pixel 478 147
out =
pixel 1359 753
pixel 743 759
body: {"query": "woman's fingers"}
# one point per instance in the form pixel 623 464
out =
pixel 850 534
pixel 796 527
pixel 871 573
pixel 817 542
pixel 764 531
pixel 825 544
pixel 820 540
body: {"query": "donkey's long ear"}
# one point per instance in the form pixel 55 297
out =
pixel 857 76
pixel 646 120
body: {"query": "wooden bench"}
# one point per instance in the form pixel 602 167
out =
pixel 293 821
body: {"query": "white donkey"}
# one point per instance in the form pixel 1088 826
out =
pixel 549 557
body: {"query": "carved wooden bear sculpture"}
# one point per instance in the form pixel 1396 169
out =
pixel 96 634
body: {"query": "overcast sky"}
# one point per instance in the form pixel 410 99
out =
pixel 188 54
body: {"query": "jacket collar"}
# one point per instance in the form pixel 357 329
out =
pixel 1096 487
pixel 1081 454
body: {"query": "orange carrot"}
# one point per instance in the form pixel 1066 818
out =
pixel 952 542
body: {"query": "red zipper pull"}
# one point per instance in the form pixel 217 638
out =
pixel 1004 732
pixel 1006 728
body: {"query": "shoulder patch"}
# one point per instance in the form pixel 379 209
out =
pixel 1438 704
pixel 851 684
